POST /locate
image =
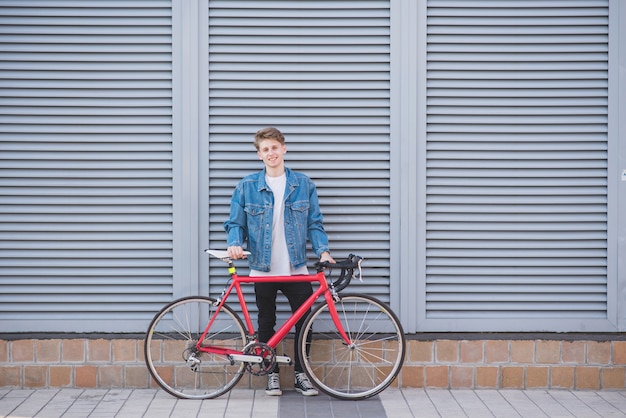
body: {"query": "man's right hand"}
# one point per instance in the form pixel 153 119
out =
pixel 236 252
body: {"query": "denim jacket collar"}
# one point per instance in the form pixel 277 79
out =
pixel 292 181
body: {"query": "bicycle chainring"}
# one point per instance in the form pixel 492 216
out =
pixel 268 355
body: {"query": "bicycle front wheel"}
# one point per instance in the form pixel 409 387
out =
pixel 365 367
pixel 171 354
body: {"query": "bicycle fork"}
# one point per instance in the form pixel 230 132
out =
pixel 332 298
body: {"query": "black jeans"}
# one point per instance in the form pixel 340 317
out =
pixel 297 293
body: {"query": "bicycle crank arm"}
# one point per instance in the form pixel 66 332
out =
pixel 283 359
pixel 258 359
pixel 246 358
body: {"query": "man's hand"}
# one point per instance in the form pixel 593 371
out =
pixel 327 257
pixel 235 253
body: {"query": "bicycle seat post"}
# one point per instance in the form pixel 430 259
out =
pixel 231 268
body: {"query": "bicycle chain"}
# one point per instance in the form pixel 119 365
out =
pixel 256 369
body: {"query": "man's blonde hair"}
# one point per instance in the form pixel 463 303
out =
pixel 268 133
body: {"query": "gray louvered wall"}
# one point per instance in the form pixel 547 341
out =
pixel 319 71
pixel 517 110
pixel 514 176
pixel 86 166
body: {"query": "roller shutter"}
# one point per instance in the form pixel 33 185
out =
pixel 86 164
pixel 319 71
pixel 516 181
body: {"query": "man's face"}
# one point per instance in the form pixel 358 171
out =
pixel 271 152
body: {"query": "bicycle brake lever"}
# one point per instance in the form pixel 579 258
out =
pixel 359 275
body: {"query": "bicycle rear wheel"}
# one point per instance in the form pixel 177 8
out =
pixel 369 364
pixel 170 348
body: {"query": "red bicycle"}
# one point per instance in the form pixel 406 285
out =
pixel 199 348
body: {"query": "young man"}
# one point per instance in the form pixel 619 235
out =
pixel 275 210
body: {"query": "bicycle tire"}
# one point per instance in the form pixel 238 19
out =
pixel 172 337
pixel 367 367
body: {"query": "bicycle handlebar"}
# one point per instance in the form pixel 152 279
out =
pixel 347 267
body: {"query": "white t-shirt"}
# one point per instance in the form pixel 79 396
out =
pixel 280 264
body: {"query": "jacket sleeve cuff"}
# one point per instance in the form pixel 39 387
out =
pixel 322 250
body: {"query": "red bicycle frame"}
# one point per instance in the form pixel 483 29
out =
pixel 237 281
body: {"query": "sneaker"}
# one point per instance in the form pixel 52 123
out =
pixel 273 385
pixel 304 386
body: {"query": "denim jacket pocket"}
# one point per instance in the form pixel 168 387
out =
pixel 256 215
pixel 300 210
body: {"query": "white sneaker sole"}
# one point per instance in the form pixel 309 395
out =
pixel 308 392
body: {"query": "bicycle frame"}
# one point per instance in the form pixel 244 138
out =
pixel 281 333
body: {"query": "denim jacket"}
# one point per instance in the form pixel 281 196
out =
pixel 252 212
